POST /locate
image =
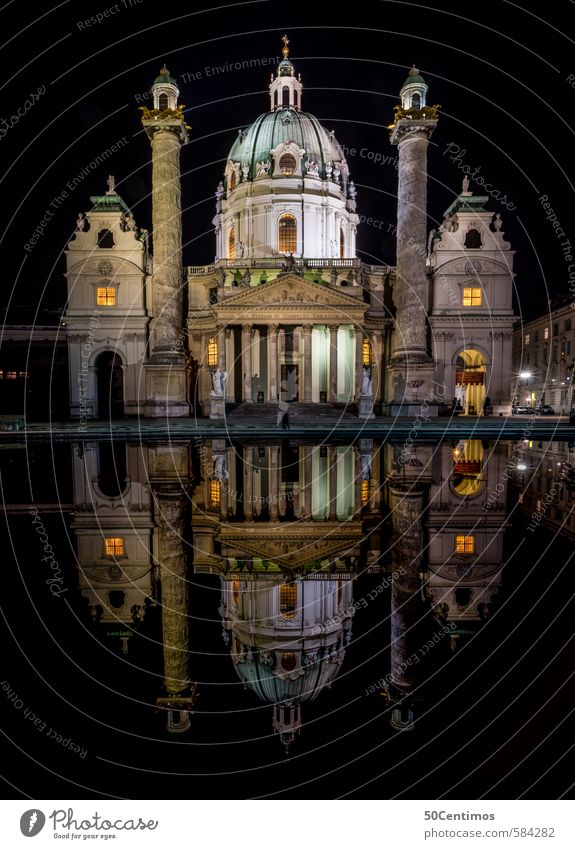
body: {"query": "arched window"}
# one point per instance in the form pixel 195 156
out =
pixel 163 102
pixel 232 244
pixel 232 181
pixel 287 235
pixel 288 601
pixel 288 165
pixel 415 101
pixel 105 239
pixel 341 244
pixel 473 239
pixel 285 96
pixel 212 351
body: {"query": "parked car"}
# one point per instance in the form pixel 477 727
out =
pixel 520 411
pixel 545 410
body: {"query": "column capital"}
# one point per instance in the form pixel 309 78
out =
pixel 307 328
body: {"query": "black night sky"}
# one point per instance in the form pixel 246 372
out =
pixel 500 72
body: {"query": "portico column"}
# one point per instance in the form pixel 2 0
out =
pixel 248 483
pixel 307 481
pixel 247 361
pixel 222 348
pixel 273 494
pixel 272 362
pixel 332 452
pixel 358 361
pixel 333 328
pixel 307 363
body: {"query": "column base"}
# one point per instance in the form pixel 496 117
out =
pixel 166 390
pixel 365 408
pixel 415 390
pixel 419 409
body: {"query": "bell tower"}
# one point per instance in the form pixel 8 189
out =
pixel 166 371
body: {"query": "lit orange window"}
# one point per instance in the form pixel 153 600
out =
pixel 114 546
pixel 287 237
pixel 472 297
pixel 11 375
pixel 288 600
pixel 106 296
pixel 365 352
pixel 232 244
pixel 465 544
pixel 215 491
pixel 212 351
pixel 364 492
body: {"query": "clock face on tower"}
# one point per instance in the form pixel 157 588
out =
pixel 472 267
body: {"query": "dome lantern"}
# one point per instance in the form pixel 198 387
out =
pixel 165 91
pixel 414 91
pixel 286 88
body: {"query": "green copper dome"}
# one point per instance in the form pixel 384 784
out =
pixel 414 77
pixel 285 125
pixel 165 78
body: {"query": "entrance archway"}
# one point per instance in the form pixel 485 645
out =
pixel 470 381
pixel 110 383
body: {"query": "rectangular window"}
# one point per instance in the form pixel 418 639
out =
pixel 365 352
pixel 555 330
pixel 471 296
pixel 464 544
pixel 527 339
pixel 212 351
pixel 567 324
pixel 114 546
pixel 215 490
pixel 364 491
pixel 546 333
pixel 536 336
pixel 106 296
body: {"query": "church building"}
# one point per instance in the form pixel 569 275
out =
pixel 287 311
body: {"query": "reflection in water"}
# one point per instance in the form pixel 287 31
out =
pixel 288 528
pixel 431 552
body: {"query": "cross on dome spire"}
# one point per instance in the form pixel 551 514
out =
pixel 285 89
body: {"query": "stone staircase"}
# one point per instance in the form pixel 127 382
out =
pixel 299 413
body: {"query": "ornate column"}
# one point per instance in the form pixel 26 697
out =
pixel 248 483
pixel 166 373
pixel 273 362
pixel 332 453
pixel 247 361
pixel 412 368
pixel 358 361
pixel 332 396
pixel 406 504
pixel 308 481
pixel 307 362
pixel 169 474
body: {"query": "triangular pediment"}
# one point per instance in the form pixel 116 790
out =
pixel 291 290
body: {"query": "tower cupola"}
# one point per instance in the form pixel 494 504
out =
pixel 165 91
pixel 414 91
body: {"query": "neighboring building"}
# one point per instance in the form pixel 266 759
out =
pixel 287 312
pixel 544 359
pixel 544 478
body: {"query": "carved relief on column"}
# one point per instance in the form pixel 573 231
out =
pixel 333 328
pixel 171 504
pixel 406 504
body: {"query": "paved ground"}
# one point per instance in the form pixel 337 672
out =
pixel 334 424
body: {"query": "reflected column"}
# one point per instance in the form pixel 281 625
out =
pixel 333 328
pixel 307 362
